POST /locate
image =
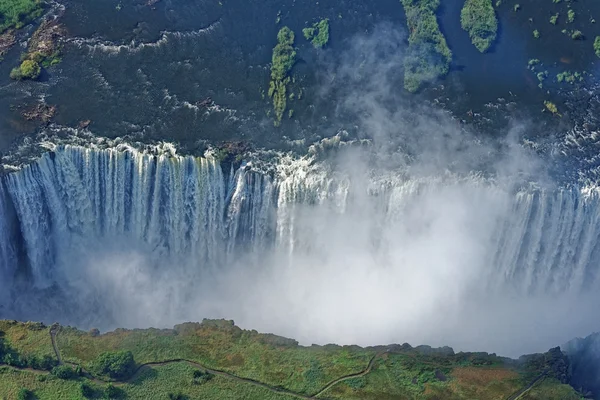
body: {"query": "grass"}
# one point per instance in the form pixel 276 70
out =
pixel 283 59
pixel 318 33
pixel 429 56
pixel 479 19
pixel 551 389
pixel 400 373
pixel 17 13
pixel 244 353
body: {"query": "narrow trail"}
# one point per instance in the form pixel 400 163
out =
pixel 141 367
pixel 524 390
pixel 349 376
pixel 53 330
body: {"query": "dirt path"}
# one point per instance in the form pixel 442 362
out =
pixel 521 392
pixel 349 376
pixel 55 328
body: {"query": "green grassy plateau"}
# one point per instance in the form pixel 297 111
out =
pixel 217 360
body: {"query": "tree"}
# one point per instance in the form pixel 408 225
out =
pixel 24 394
pixel 113 392
pixel 64 372
pixel 117 364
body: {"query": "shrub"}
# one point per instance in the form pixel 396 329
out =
pixel 113 392
pixel 200 377
pixel 29 69
pixel 88 391
pixel 577 35
pixel 24 394
pixel 64 372
pixel 570 16
pixel 178 396
pixel 117 365
pixel 597 46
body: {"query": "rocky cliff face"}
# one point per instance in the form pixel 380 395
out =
pixel 585 358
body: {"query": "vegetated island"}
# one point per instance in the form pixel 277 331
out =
pixel 318 33
pixel 284 57
pixel 14 14
pixel 215 359
pixel 428 56
pixel 479 19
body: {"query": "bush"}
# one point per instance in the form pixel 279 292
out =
pixel 46 363
pixel 24 394
pixel 29 69
pixel 178 396
pixel 88 391
pixel 113 392
pixel 201 377
pixel 597 46
pixel 117 365
pixel 64 372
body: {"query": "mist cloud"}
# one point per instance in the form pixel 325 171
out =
pixel 395 243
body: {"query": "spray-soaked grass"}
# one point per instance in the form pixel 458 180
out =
pixel 28 339
pixel 272 360
pixel 397 372
pixel 551 389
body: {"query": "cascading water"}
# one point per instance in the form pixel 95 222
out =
pixel 125 238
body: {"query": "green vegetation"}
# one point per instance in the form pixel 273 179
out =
pixel 536 34
pixel 262 365
pixel 428 55
pixel 64 372
pixel 597 46
pixel 577 35
pixel 554 19
pixel 284 57
pixel 318 34
pixel 569 77
pixel 25 394
pixel 551 107
pixel 29 69
pixel 117 365
pixel 479 19
pixel 16 13
pixel 570 16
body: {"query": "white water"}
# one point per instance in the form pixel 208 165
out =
pixel 321 255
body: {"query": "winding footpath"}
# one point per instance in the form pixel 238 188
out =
pixel 521 392
pixel 278 390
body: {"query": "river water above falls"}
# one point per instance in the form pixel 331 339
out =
pixel 108 238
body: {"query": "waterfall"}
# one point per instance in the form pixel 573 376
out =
pixel 71 218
